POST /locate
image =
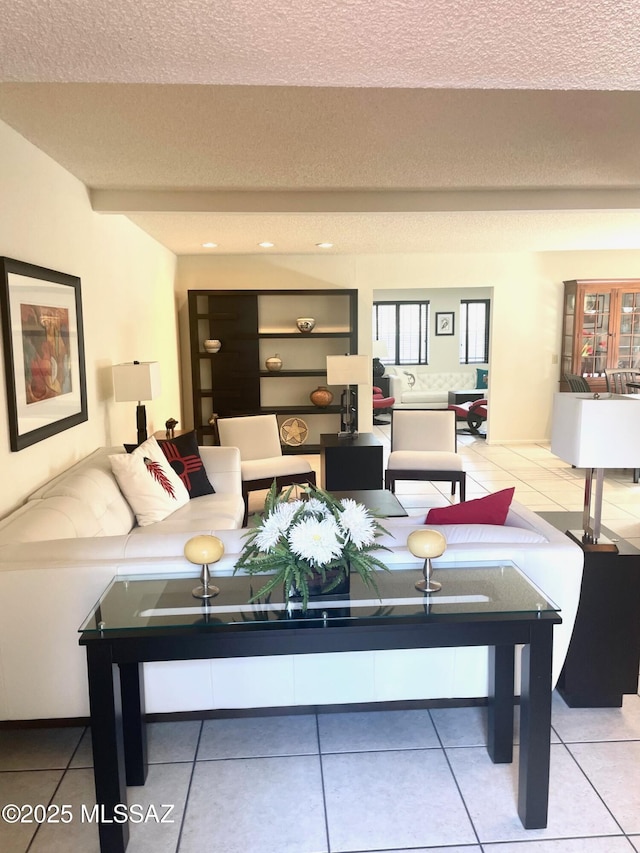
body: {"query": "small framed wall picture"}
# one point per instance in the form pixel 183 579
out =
pixel 445 323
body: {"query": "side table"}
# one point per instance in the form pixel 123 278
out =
pixel 383 383
pixel 604 653
pixel 351 463
pixel 162 433
pixel 457 397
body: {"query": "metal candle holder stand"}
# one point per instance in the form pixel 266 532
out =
pixel 428 584
pixel 206 589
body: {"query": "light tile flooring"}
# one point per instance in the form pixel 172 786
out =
pixel 404 780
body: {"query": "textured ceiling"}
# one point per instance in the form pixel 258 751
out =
pixel 521 44
pixel 218 137
pixel 451 232
pixel 277 111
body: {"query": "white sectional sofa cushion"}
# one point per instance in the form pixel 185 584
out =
pixel 86 501
pixel 48 587
pixel 430 390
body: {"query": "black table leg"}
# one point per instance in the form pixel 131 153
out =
pixel 535 728
pixel 500 704
pixel 133 723
pixel 108 747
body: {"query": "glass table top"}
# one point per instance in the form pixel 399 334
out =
pixel 482 589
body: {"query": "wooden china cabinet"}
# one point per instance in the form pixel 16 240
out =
pixel 600 328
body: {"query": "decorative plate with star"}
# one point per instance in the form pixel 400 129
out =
pixel 294 431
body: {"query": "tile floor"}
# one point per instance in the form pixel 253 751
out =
pixel 393 781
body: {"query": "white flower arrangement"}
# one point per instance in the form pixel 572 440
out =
pixel 298 540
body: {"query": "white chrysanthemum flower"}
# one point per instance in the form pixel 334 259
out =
pixel 356 523
pixel 274 526
pixel 315 541
pixel 316 506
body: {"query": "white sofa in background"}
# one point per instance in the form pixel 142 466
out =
pixel 430 390
pixel 48 587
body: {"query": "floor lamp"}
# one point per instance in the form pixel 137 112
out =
pixel 595 432
pixel 137 380
pixel 348 370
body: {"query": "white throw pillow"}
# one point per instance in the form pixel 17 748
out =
pixel 148 482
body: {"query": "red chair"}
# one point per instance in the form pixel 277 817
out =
pixel 380 402
pixel 474 412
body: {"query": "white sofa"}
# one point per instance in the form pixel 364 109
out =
pixel 48 587
pixel 59 551
pixel 430 390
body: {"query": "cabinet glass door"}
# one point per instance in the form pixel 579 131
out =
pixel 595 333
pixel 629 324
pixel 568 327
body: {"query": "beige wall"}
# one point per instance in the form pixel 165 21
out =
pixel 525 312
pixel 127 297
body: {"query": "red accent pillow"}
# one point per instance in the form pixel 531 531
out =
pixel 491 509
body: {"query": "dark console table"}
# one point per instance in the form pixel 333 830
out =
pixel 604 653
pixel 483 604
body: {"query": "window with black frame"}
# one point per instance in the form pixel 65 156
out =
pixel 474 331
pixel 403 327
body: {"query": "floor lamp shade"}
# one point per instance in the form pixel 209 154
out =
pixel 595 432
pixel 137 381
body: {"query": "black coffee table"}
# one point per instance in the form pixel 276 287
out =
pixel 481 604
pixel 381 502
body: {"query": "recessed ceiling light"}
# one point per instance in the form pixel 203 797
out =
pixel 209 245
pixel 266 245
pixel 324 245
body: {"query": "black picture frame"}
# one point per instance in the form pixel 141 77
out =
pixel 43 347
pixel 445 322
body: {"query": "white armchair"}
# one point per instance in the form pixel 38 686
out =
pixel 423 447
pixel 261 459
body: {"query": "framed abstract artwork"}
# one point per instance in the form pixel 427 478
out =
pixel 445 322
pixel 43 347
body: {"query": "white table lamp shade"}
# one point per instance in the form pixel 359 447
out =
pixel 348 369
pixel 380 349
pixel 136 381
pixel 596 433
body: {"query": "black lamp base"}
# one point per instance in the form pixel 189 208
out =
pixel 603 543
pixel 378 368
pixel 141 423
pixel 347 413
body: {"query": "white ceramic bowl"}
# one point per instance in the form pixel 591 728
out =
pixel 305 324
